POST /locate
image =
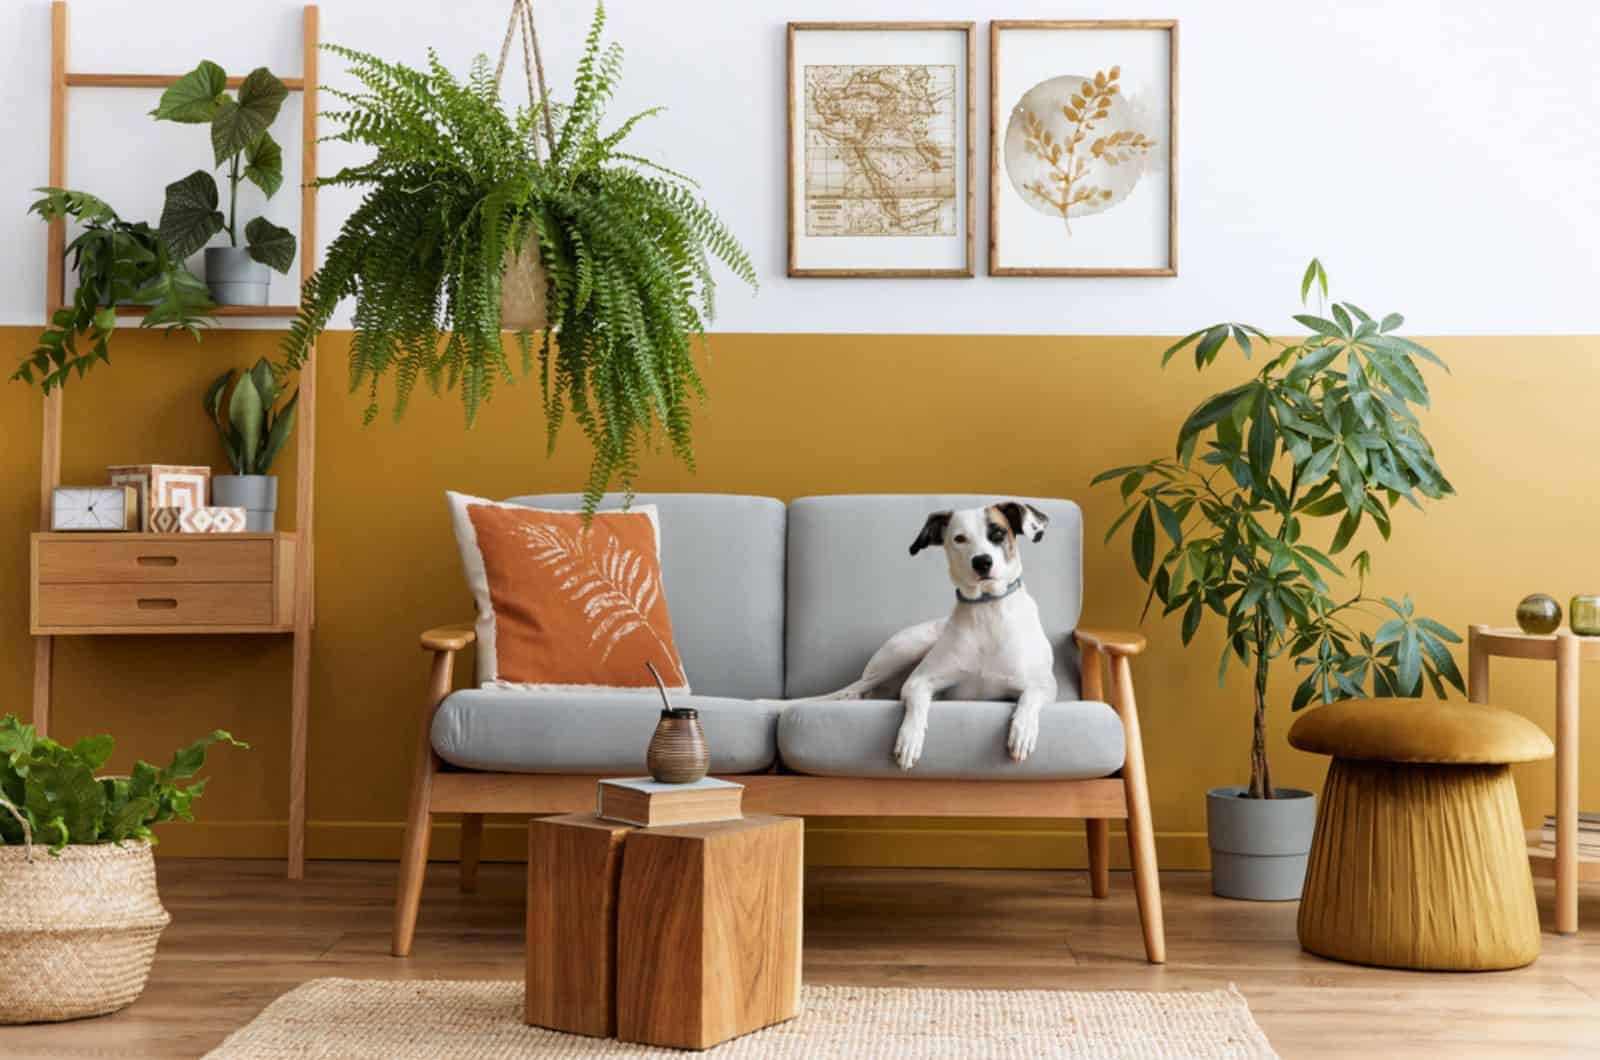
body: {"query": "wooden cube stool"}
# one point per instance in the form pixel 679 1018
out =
pixel 1419 858
pixel 574 865
pixel 708 930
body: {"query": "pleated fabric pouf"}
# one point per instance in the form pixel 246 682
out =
pixel 1420 863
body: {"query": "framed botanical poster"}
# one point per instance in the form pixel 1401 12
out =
pixel 880 148
pixel 1083 148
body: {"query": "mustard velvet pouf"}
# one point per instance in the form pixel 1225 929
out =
pixel 1419 859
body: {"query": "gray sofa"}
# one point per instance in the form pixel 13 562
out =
pixel 771 603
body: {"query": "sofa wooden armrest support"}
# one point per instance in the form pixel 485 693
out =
pixel 1096 801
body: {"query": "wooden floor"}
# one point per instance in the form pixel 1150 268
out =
pixel 242 934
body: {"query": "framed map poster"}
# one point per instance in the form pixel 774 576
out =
pixel 1083 148
pixel 880 148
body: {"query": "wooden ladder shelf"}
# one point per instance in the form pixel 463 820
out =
pixel 281 579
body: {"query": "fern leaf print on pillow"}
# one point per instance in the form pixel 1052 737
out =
pixel 575 605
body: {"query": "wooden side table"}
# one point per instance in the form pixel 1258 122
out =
pixel 708 930
pixel 1566 650
pixel 574 864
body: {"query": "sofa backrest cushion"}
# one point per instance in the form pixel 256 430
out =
pixel 722 559
pixel 852 583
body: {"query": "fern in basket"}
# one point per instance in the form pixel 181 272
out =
pixel 456 183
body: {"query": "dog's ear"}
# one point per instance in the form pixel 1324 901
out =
pixel 932 532
pixel 1026 520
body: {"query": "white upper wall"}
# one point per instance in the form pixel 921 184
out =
pixel 1439 156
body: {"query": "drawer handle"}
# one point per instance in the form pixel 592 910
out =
pixel 157 561
pixel 157 603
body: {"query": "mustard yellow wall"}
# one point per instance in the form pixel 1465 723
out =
pixel 790 415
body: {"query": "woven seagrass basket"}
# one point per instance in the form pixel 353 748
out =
pixel 78 931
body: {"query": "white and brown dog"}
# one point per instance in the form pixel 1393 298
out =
pixel 991 647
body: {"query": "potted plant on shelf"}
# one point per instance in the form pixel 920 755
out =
pixel 82 918
pixel 458 187
pixel 237 275
pixel 1326 430
pixel 253 433
pixel 117 263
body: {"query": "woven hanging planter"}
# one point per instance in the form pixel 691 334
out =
pixel 78 931
pixel 523 291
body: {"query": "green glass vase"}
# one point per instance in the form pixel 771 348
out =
pixel 1583 615
pixel 1538 613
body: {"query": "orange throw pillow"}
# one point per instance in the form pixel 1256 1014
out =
pixel 564 606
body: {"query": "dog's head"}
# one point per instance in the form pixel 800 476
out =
pixel 980 544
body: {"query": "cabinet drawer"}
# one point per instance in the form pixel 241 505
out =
pixel 167 558
pixel 69 605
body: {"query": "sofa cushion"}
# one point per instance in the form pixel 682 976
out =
pixel 598 733
pixel 966 741
pixel 852 584
pixel 722 559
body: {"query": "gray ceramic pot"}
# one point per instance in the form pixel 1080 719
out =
pixel 256 494
pixel 235 278
pixel 1259 846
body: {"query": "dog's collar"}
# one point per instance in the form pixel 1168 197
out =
pixel 986 598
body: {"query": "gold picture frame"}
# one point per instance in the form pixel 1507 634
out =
pixel 879 242
pixel 1045 145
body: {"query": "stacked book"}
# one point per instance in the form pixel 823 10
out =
pixel 1588 834
pixel 652 804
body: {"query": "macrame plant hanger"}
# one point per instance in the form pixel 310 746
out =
pixel 523 291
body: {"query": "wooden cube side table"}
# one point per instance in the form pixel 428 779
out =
pixel 574 862
pixel 708 930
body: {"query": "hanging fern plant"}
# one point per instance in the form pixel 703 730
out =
pixel 457 187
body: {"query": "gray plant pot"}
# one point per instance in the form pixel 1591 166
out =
pixel 1259 846
pixel 235 278
pixel 256 494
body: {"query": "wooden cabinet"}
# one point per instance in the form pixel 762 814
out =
pixel 162 583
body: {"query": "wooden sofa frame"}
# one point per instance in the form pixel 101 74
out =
pixel 1098 802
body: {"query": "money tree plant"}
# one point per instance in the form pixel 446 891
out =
pixel 240 141
pixel 1325 434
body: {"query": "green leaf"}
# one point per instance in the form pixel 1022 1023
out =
pixel 266 383
pixel 1320 326
pixel 270 244
pixel 214 392
pixel 195 96
pixel 1180 344
pixel 1308 278
pixel 1347 530
pixel 1263 436
pixel 1207 350
pixel 246 413
pixel 188 761
pixel 94 751
pixel 1144 543
pixel 1191 619
pixel 1212 410
pixel 1170 522
pixel 282 427
pixel 236 125
pixel 190 216
pixel 263 164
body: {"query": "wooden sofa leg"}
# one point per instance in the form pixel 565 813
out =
pixel 419 822
pixel 471 847
pixel 1141 834
pixel 1099 835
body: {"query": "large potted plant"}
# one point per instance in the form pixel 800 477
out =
pixel 458 186
pixel 117 263
pixel 77 880
pixel 253 432
pixel 1325 432
pixel 237 275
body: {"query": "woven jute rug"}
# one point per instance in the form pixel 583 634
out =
pixel 353 1019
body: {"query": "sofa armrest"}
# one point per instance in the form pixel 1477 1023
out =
pixel 1112 642
pixel 449 638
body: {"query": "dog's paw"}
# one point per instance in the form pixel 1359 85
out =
pixel 908 745
pixel 1024 735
